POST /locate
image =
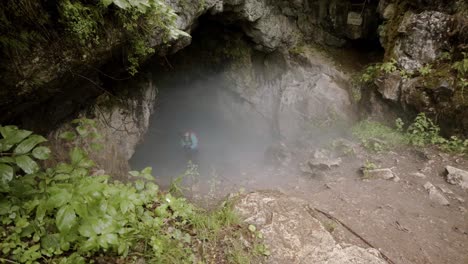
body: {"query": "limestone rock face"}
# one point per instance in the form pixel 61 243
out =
pixel 121 126
pixel 271 25
pixel 423 37
pixel 457 176
pixel 297 97
pixel 389 86
pixel 294 235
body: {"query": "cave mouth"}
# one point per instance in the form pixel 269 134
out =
pixel 235 139
pixel 195 96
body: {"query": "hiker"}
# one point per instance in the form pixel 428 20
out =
pixel 189 142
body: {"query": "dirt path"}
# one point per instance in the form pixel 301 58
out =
pixel 398 218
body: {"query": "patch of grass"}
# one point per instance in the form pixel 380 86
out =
pixel 421 133
pixel 376 136
pixel 366 168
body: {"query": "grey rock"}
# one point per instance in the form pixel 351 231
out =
pixel 389 12
pixel 435 195
pixel 419 175
pixel 444 189
pixel 294 235
pixel 423 37
pixel 323 159
pixel 299 98
pixel 121 127
pixel 389 86
pixel 386 174
pixel 457 177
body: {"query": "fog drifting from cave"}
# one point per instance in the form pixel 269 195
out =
pixel 232 136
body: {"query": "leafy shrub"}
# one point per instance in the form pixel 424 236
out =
pixel 376 136
pixel 81 21
pixel 65 214
pixel 461 66
pixel 425 70
pixel 422 132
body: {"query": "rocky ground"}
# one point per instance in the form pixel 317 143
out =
pixel 410 212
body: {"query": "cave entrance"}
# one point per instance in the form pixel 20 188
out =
pixel 194 95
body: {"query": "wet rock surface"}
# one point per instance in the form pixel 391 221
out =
pixel 120 126
pixel 435 195
pixel 323 159
pixel 457 177
pixel 423 38
pixel 294 235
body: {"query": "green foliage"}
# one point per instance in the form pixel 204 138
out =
pixel 81 20
pixel 461 66
pixel 422 132
pixel 63 214
pixel 376 136
pixel 88 23
pixel 368 166
pixel 425 70
pixel 389 66
pixel 369 74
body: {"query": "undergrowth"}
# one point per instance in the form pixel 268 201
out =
pixel 64 214
pixel 83 25
pixel 421 133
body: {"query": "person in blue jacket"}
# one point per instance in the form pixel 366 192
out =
pixel 189 142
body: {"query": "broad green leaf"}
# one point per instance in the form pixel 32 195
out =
pixel 68 135
pixel 77 155
pixel 65 218
pixel 28 144
pixel 10 160
pixel 147 170
pixel 124 206
pixel 74 258
pixel 64 168
pixel 59 196
pixel 87 230
pixel 134 173
pixel 51 242
pixel 8 131
pixel 106 3
pixel 6 173
pixel 81 208
pixel 139 185
pixel 86 163
pixel 62 176
pixel 27 164
pixel 121 3
pixel 5 206
pixel 82 131
pixel 41 153
pixel 13 134
pixel 41 211
pixel 107 239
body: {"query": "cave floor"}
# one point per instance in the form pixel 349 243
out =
pixel 398 218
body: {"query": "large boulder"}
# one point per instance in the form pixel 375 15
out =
pixel 457 176
pixel 422 38
pixel 299 96
pixel 120 124
pixel 294 235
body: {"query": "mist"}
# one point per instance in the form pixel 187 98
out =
pixel 202 89
pixel 232 136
